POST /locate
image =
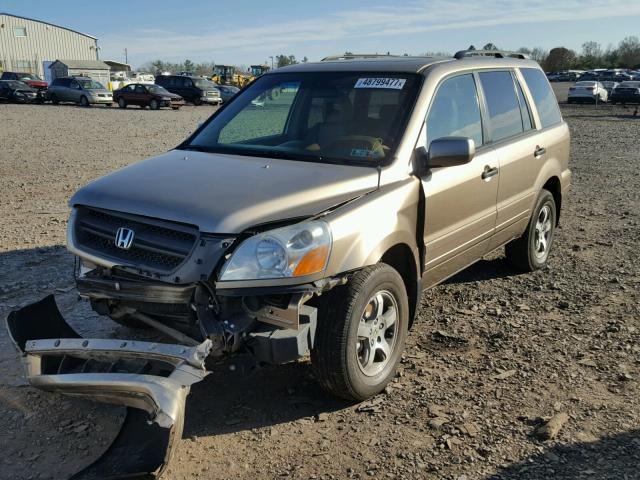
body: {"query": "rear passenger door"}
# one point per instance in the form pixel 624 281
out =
pixel 460 201
pixel 512 133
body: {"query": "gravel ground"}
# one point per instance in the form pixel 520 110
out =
pixel 493 356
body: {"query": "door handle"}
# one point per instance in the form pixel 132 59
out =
pixel 539 151
pixel 489 172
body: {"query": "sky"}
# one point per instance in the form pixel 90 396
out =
pixel 245 32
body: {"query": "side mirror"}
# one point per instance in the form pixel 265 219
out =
pixel 451 151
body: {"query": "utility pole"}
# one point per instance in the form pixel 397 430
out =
pixel 271 57
pixel 126 56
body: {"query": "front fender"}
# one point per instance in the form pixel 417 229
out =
pixel 363 230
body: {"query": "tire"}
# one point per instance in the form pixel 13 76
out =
pixel 84 101
pixel 175 108
pixel 54 99
pixel 341 358
pixel 122 103
pixel 569 101
pixel 529 252
pixel 154 104
pixel 197 101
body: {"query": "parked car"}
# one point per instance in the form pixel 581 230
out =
pixel 609 85
pixel 81 90
pixel 17 92
pixel 587 92
pixel 626 92
pixel 143 95
pixel 310 224
pixel 31 79
pixel 227 92
pixel 196 90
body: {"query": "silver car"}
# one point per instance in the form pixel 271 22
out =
pixel 81 90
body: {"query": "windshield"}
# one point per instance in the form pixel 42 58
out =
pixel 90 84
pixel 630 84
pixel 28 76
pixel 204 83
pixel 156 89
pixel 339 117
pixel 16 85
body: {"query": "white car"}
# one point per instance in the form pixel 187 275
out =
pixel 587 92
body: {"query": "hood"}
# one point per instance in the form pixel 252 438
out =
pixel 223 193
pixel 168 95
pixel 36 83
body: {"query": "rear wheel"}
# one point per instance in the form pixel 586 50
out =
pixel 84 101
pixel 54 99
pixel 531 251
pixel 122 103
pixel 154 104
pixel 362 328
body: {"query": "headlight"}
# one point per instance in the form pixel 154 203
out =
pixel 294 251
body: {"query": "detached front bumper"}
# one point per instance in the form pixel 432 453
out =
pixel 151 379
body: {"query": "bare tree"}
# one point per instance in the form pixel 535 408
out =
pixel 560 58
pixel 591 55
pixel 629 52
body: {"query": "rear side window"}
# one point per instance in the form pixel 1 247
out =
pixel 543 96
pixel 505 119
pixel 455 111
pixel 524 109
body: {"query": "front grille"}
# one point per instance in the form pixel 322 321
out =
pixel 157 244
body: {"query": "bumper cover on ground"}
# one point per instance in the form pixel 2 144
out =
pixel 151 379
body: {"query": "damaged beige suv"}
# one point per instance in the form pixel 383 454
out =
pixel 307 215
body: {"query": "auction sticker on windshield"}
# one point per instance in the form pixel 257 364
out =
pixel 393 83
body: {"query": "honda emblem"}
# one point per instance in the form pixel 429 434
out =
pixel 124 238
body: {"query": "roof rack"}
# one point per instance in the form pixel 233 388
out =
pixel 352 56
pixel 489 53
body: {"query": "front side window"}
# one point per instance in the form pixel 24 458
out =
pixel 337 117
pixel 543 96
pixel 91 85
pixel 455 111
pixel 505 119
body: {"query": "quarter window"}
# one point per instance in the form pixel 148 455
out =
pixel 543 96
pixel 455 111
pixel 505 119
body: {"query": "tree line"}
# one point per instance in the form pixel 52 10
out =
pixel 592 55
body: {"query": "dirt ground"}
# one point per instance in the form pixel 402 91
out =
pixel 493 354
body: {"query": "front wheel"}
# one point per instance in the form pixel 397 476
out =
pixel 531 251
pixel 197 101
pixel 84 101
pixel 362 328
pixel 154 104
pixel 54 99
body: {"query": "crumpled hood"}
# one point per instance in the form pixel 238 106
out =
pixel 223 193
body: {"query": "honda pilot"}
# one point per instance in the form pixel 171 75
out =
pixel 307 216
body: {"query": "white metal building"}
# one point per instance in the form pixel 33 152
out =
pixel 28 45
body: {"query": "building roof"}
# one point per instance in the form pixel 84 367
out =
pixel 47 23
pixel 118 65
pixel 86 64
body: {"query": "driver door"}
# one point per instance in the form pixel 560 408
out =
pixel 460 201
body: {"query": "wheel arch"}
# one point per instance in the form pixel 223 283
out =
pixel 554 186
pixel 401 257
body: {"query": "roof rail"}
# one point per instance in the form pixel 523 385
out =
pixel 489 53
pixel 352 56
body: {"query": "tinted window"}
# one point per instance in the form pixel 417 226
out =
pixel 524 109
pixel 543 96
pixel 505 119
pixel 455 111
